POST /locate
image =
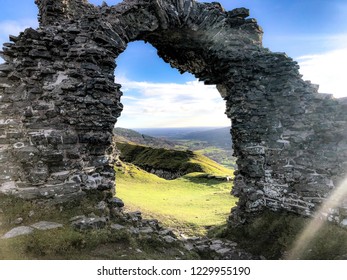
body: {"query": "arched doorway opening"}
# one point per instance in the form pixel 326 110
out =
pixel 184 119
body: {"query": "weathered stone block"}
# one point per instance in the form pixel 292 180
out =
pixel 116 202
pixel 25 153
pixel 50 156
pixel 85 223
pixel 18 231
pixel 43 225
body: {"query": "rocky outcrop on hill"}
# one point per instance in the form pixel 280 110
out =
pixel 168 175
pixel 59 103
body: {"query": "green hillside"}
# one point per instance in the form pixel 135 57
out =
pixel 182 162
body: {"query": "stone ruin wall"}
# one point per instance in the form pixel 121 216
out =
pixel 59 103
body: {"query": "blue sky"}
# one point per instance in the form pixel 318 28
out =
pixel 313 32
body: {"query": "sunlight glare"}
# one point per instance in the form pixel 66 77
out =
pixel 320 217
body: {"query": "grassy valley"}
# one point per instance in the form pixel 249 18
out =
pixel 190 204
pixel 195 199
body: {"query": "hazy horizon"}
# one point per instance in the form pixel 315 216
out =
pixel 178 127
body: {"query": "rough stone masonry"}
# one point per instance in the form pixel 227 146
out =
pixel 59 103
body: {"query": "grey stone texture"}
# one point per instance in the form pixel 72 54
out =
pixel 59 103
pixel 18 231
pixel 43 225
pixel 87 223
pixel 25 230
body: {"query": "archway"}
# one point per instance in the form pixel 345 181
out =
pixel 60 102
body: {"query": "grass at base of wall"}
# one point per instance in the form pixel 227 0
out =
pixel 102 244
pixel 273 234
pixel 66 243
pixel 14 208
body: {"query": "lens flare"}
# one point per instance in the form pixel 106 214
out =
pixel 308 234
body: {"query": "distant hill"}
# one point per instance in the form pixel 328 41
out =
pixel 219 137
pixel 172 133
pixel 132 136
pixel 169 164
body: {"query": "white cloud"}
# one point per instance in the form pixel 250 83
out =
pixel 327 69
pixel 10 27
pixel 171 105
